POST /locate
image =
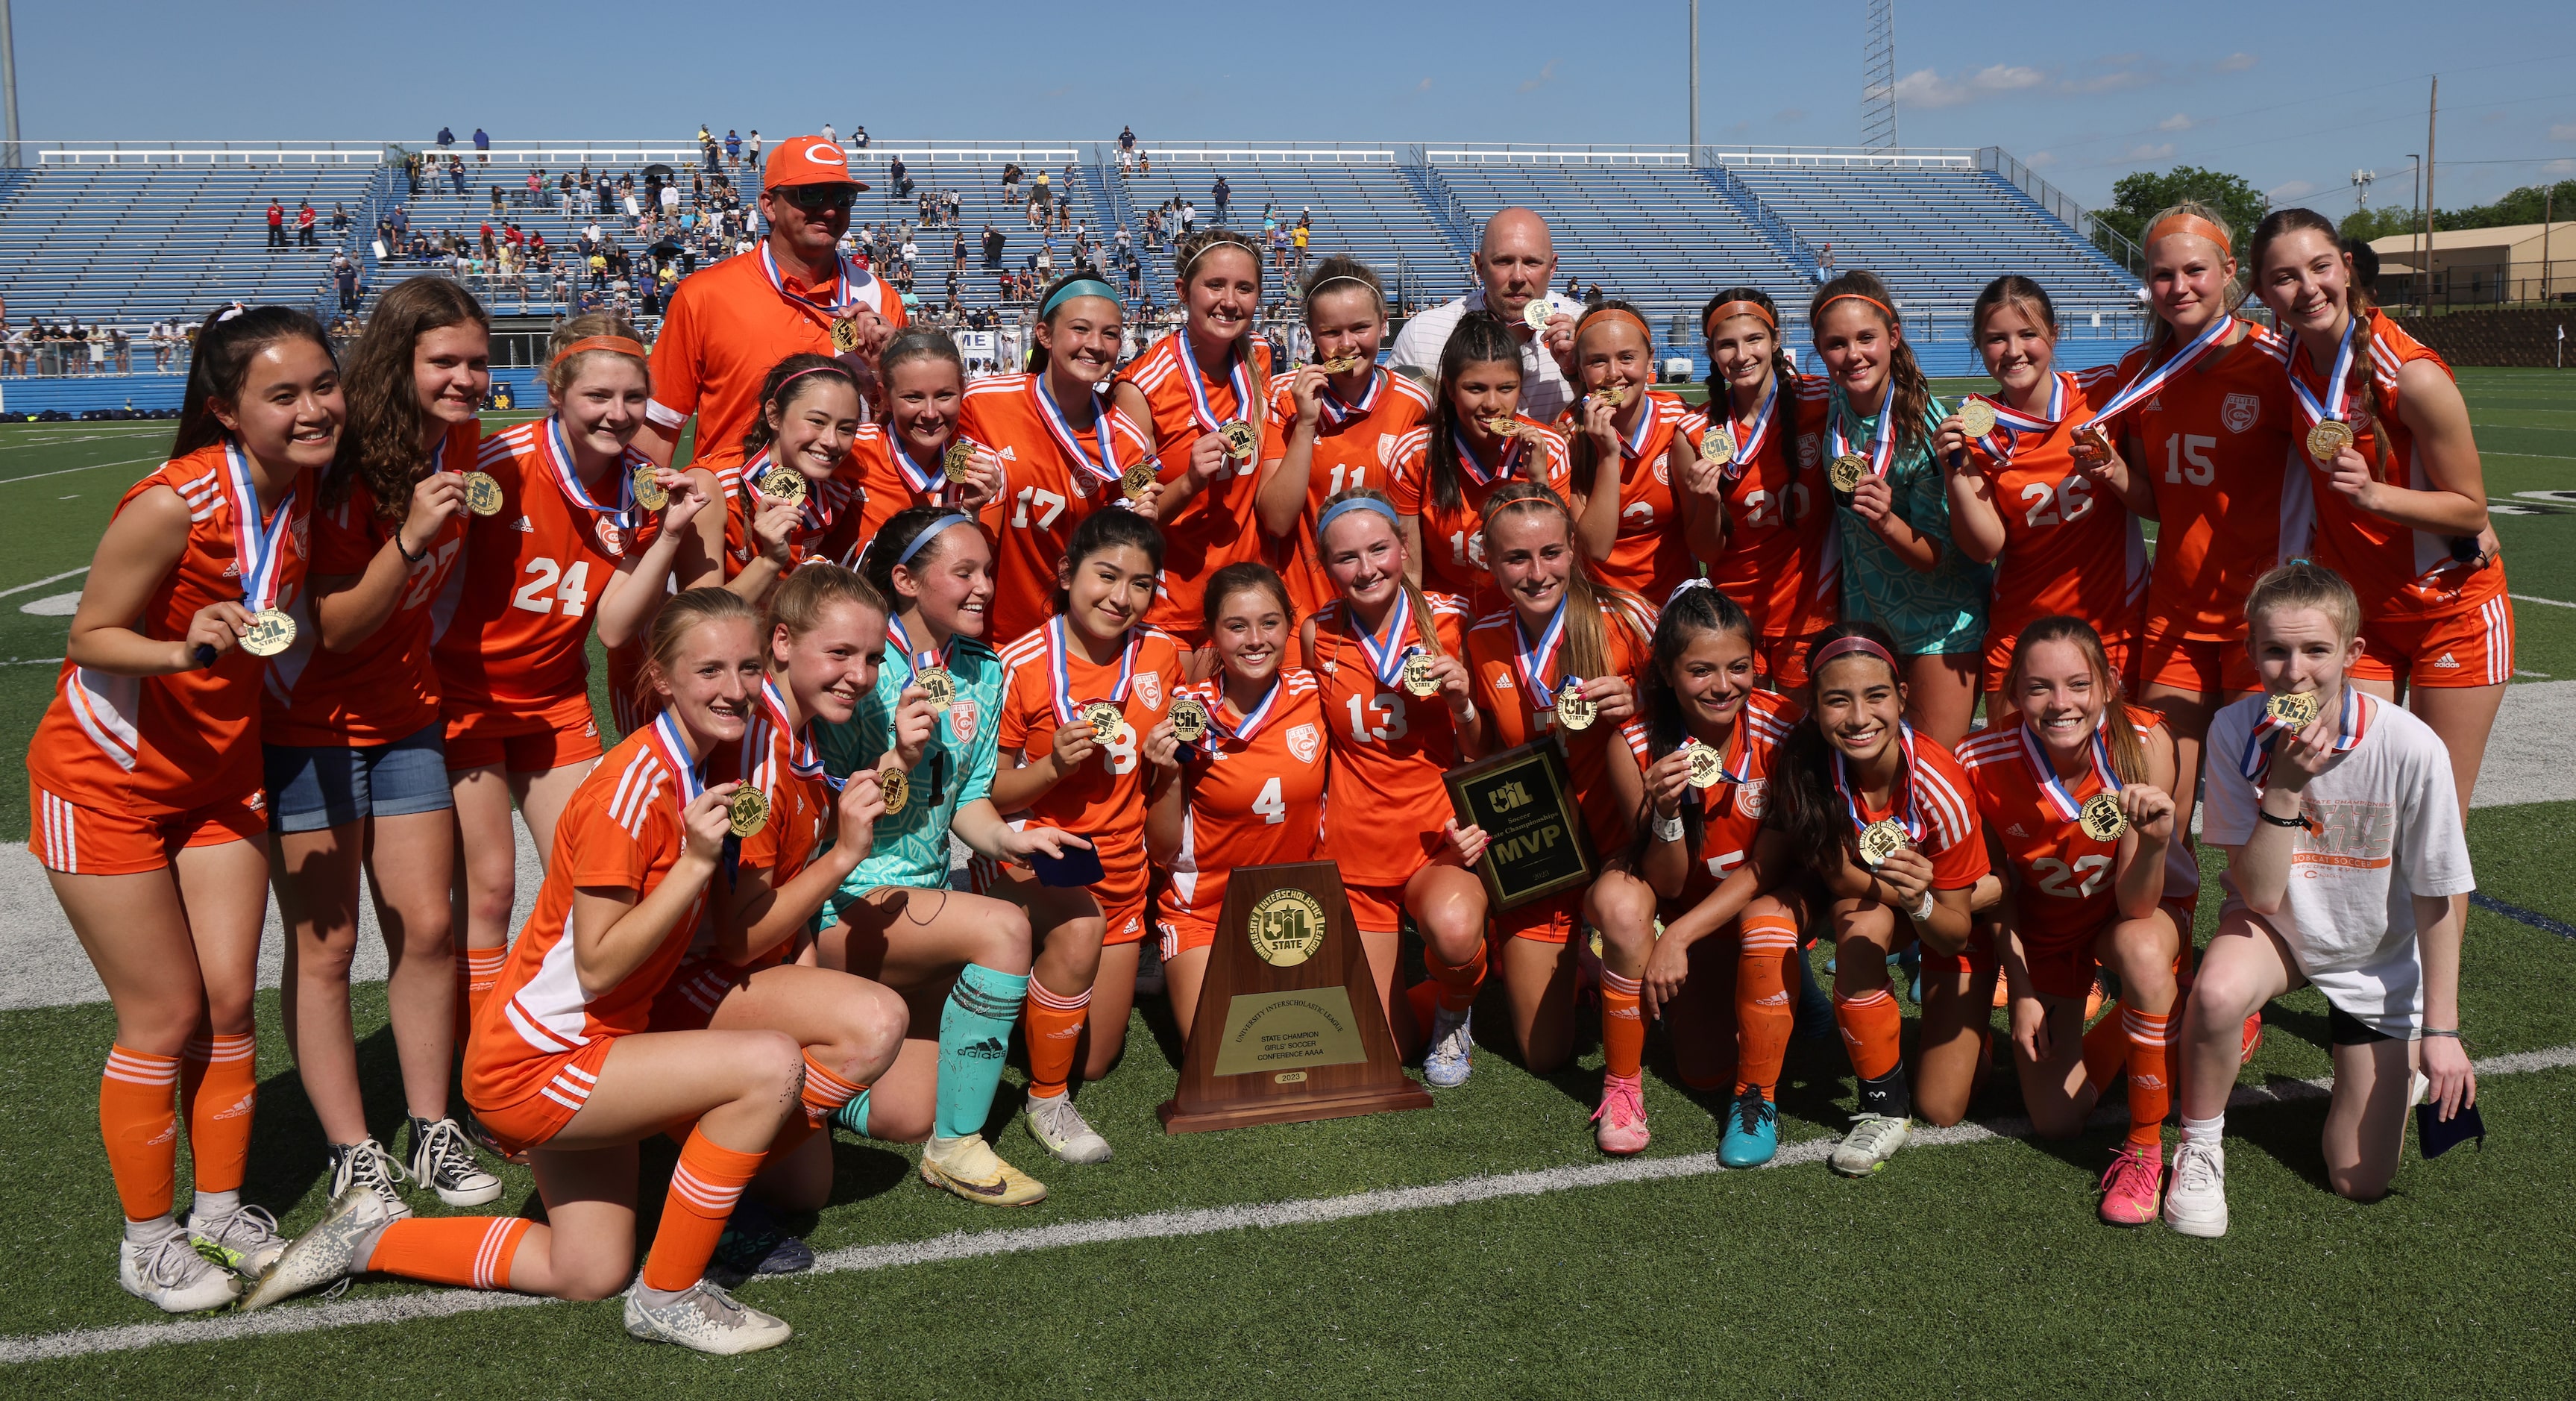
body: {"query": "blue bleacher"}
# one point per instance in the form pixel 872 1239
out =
pixel 1362 208
pixel 1938 235
pixel 129 246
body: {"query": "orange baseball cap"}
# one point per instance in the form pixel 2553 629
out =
pixel 808 160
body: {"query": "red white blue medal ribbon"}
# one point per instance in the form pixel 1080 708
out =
pixel 1060 670
pixel 1246 726
pixel 556 449
pixel 2011 423
pixel 1240 375
pixel 924 659
pixel 666 740
pixel 847 283
pixel 2148 382
pixel 1060 428
pixel 1900 799
pixel 929 484
pixel 2052 789
pixel 2313 411
pixel 259 545
pixel 1386 659
pixel 1533 659
pixel 1338 413
pixel 2256 762
pixel 1475 469
pixel 1753 437
pixel 802 758
pixel 1882 443
pixel 1633 445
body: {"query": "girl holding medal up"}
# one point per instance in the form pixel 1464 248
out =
pixel 1344 416
pixel 793 491
pixel 353 735
pixel 513 672
pixel 1884 822
pixel 1650 514
pixel 929 731
pixel 2072 783
pixel 1781 563
pixel 1063 447
pixel 1085 688
pixel 1447 470
pixel 915 453
pixel 1900 569
pixel 144 780
pixel 2401 499
pixel 1397 701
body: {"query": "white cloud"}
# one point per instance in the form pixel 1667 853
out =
pixel 1925 87
pixel 2236 63
pixel 2563 131
pixel 2177 122
pixel 1423 86
pixel 2041 160
pixel 1546 75
pixel 2559 168
pixel 2161 151
pixel 2296 189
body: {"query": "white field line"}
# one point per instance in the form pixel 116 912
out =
pixel 48 579
pixel 2552 602
pixel 67 471
pixel 1156 1225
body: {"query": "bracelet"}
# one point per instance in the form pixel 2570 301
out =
pixel 2452 1034
pixel 1923 908
pixel 2300 822
pixel 1668 829
pixel 408 556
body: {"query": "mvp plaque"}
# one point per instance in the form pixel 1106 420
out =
pixel 1536 842
pixel 1288 1026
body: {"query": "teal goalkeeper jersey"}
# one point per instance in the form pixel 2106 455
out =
pixel 911 847
pixel 1940 612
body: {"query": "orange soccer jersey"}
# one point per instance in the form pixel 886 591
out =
pixel 2216 442
pixel 1052 477
pixel 1731 809
pixel 1782 559
pixel 163 745
pixel 1453 537
pixel 1514 718
pixel 384 688
pixel 1255 795
pixel 1648 557
pixel 2065 883
pixel 2070 546
pixel 1937 806
pixel 731 323
pixel 541 1033
pixel 510 626
pixel 1047 685
pixel 1217 526
pixel 887 481
pixel 1390 747
pixel 1355 446
pixel 827 525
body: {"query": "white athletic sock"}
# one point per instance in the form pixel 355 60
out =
pixel 2204 1131
pixel 213 1204
pixel 152 1231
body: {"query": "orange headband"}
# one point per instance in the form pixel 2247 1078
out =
pixel 1612 313
pixel 619 344
pixel 2189 224
pixel 1724 310
pixel 1892 317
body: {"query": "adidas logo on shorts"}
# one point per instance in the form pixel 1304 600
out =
pixel 2447 660
pixel 524 528
pixel 2015 831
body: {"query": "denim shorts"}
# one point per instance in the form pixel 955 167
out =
pixel 311 787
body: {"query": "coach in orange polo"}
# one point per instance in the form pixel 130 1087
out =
pixel 794 292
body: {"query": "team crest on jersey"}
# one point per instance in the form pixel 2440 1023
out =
pixel 1386 449
pixel 1663 469
pixel 1302 740
pixel 2239 412
pixel 1149 686
pixel 961 719
pixel 611 538
pixel 1752 796
pixel 1807 450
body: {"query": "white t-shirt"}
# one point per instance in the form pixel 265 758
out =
pixel 2385 827
pixel 1544 390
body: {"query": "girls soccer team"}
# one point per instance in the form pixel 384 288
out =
pixel 1198 613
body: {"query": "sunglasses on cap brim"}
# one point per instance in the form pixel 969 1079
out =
pixel 818 199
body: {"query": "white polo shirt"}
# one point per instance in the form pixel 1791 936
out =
pixel 1544 390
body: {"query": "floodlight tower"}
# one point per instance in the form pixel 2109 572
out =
pixel 1878 78
pixel 8 86
pixel 2361 189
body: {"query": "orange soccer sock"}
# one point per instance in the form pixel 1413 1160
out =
pixel 2150 1094
pixel 1870 1024
pixel 825 1093
pixel 2106 1050
pixel 1765 970
pixel 1457 986
pixel 1623 1025
pixel 473 1251
pixel 1054 1031
pixel 138 1117
pixel 218 1087
pixel 704 1187
pixel 477 971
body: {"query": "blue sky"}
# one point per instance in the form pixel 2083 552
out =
pixel 2086 92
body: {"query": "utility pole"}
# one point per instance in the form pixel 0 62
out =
pixel 2432 115
pixel 1694 81
pixel 2415 168
pixel 9 85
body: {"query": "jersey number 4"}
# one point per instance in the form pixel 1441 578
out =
pixel 550 583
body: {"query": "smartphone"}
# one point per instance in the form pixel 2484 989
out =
pixel 1079 866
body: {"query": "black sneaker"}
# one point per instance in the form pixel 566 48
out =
pixel 443 1161
pixel 756 1242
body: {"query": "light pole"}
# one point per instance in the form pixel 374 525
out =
pixel 2423 274
pixel 1694 81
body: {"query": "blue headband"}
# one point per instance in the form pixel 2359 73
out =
pixel 931 532
pixel 1356 503
pixel 1080 287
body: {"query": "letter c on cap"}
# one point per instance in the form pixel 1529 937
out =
pixel 825 153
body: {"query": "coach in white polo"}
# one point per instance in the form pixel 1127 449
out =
pixel 1515 262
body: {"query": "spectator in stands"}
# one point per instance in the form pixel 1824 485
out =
pixel 901 176
pixel 1127 139
pixel 831 135
pixel 1011 181
pixel 339 221
pixel 706 147
pixel 733 149
pixel 276 224
pixel 993 241
pixel 751 148
pixel 1824 264
pixel 305 219
pixel 1297 239
pixel 1189 218
pixel 482 147
pixel 1221 195
pixel 1515 262
pixel 456 173
pixel 346 279
pixel 446 138
pixel 859 137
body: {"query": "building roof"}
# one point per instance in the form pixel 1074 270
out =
pixel 2501 236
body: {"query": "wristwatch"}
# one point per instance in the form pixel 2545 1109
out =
pixel 1668 829
pixel 1923 908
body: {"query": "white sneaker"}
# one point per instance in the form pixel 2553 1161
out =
pixel 702 1318
pixel 442 1159
pixel 243 1240
pixel 333 1249
pixel 2196 1195
pixel 1057 1125
pixel 1452 1055
pixel 1874 1138
pixel 367 1165
pixel 170 1275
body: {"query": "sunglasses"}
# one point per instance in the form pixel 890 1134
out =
pixel 820 199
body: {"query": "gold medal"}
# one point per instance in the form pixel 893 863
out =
pixel 1342 366
pixel 1976 417
pixel 1502 425
pixel 1718 446
pixel 1241 439
pixel 2295 710
pixel 784 483
pixel 1879 841
pixel 1613 395
pixel 895 788
pixel 1189 719
pixel 1707 766
pixel 936 683
pixel 649 491
pixel 747 811
pixel 958 463
pixel 2329 437
pixel 1138 479
pixel 1845 473
pixel 2102 819
pixel 1537 312
pixel 482 494
pixel 1418 679
pixel 271 632
pixel 845 334
pixel 1105 720
pixel 1574 710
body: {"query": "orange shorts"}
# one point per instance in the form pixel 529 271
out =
pixel 2473 647
pixel 83 841
pixel 2066 967
pixel 1553 920
pixel 1978 958
pixel 1376 908
pixel 1181 933
pixel 696 989
pixel 1784 659
pixel 1999 651
pixel 534 1121
pixel 538 741
pixel 2202 665
pixel 1121 895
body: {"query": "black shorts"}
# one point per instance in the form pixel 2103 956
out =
pixel 2345 1029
